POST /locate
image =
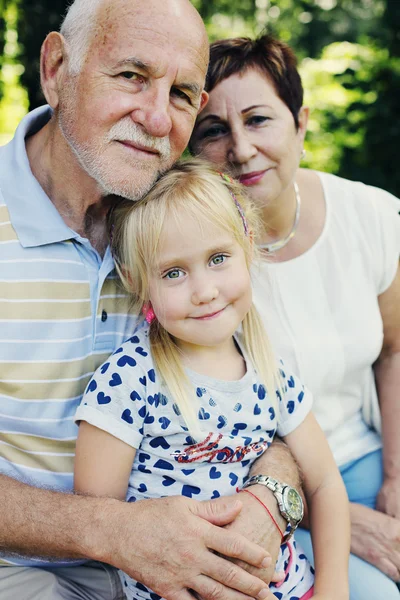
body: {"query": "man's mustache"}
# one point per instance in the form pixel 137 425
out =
pixel 126 130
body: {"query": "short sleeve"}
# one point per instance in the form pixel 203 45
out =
pixel 115 398
pixel 386 246
pixel 295 402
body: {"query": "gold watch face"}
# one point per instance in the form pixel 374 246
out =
pixel 294 504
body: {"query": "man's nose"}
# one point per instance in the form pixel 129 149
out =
pixel 154 113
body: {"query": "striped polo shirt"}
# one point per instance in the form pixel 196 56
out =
pixel 62 312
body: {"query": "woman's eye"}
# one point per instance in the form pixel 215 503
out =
pixel 214 131
pixel 257 120
pixel 218 260
pixel 173 274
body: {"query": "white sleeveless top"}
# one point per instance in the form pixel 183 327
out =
pixel 321 310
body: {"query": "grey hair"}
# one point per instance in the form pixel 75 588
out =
pixel 78 28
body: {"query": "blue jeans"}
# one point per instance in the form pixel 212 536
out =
pixel 363 480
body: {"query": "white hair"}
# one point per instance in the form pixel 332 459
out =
pixel 77 28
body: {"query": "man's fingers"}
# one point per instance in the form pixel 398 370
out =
pixel 221 571
pixel 390 569
pixel 211 589
pixel 235 545
pixel 218 512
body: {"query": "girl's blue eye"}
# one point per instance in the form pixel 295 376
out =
pixel 218 260
pixel 173 274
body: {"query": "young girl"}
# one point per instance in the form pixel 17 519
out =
pixel 191 401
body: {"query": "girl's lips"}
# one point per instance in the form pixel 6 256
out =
pixel 209 315
pixel 252 178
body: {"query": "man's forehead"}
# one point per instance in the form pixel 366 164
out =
pixel 169 25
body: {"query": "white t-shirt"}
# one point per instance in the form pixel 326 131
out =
pixel 321 310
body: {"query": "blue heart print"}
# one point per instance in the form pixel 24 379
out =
pixel 163 464
pixel 290 382
pixel 238 427
pixel 104 367
pixel 103 399
pixel 143 380
pixel 134 339
pixel 214 473
pixel 234 478
pixel 212 402
pixel 115 380
pixel 142 412
pixel 261 393
pixel 142 488
pixel 127 416
pixel 190 490
pixel 149 419
pixel 118 351
pixel 271 413
pixel 92 386
pixel 199 392
pixel 135 396
pixel 143 469
pixel 237 407
pixel 221 422
pixel 257 410
pixel 158 442
pixel 141 351
pixel 167 481
pixel 152 375
pixel 165 423
pixel 290 406
pixel 215 494
pixel 188 471
pixel 300 397
pixel 176 409
pixel 126 360
pixel 143 457
pixel 203 414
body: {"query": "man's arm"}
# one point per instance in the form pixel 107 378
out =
pixel 253 520
pixel 169 559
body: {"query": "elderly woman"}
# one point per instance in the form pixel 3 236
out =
pixel 329 289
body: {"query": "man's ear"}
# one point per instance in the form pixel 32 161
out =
pixel 203 100
pixel 52 66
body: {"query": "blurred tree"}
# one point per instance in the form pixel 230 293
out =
pixel 35 20
pixel 3 4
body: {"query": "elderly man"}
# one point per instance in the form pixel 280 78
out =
pixel 124 82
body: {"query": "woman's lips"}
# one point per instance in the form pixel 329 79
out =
pixel 252 178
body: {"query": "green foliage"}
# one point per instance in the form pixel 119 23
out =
pixel 349 53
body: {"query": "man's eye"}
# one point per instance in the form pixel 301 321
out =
pixel 180 94
pixel 218 259
pixel 130 75
pixel 173 274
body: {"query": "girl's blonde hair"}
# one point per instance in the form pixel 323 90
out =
pixel 191 187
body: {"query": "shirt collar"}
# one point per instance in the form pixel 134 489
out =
pixel 33 216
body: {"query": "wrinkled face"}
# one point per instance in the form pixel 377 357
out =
pixel 248 130
pixel 200 290
pixel 128 114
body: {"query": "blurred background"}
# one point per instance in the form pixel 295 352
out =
pixel 349 58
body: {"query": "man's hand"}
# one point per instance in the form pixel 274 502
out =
pixel 375 537
pixel 388 500
pixel 175 545
pixel 254 522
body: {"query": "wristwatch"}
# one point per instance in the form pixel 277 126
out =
pixel 289 500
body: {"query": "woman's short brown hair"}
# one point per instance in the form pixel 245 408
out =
pixel 269 56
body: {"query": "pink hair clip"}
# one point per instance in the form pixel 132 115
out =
pixel 148 313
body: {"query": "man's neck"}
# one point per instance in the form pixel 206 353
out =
pixel 76 196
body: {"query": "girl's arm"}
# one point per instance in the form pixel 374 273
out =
pixel 328 509
pixel 103 463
